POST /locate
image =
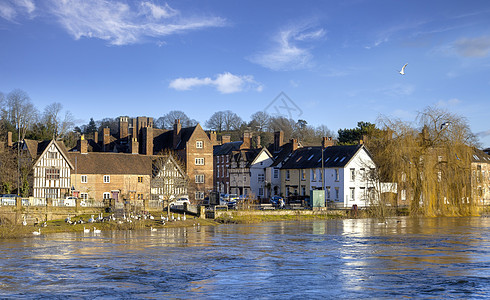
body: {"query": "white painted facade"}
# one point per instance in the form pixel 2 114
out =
pixel 349 185
pixel 258 176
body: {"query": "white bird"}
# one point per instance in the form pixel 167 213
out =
pixel 153 229
pixel 86 230
pixel 152 217
pixel 184 218
pixel 402 71
pixel 447 123
pixel 97 230
pixel 38 232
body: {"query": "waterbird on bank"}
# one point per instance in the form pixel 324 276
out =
pixel 184 218
pixel 86 230
pixel 38 232
pixel 153 229
pixel 402 71
pixel 97 230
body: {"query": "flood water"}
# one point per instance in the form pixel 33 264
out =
pixel 429 258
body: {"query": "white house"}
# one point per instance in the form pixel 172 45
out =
pixel 346 170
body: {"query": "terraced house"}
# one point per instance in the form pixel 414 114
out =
pixel 344 174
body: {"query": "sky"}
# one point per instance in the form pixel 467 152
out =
pixel 331 63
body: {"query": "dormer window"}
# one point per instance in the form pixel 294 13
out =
pixel 199 144
pixel 52 155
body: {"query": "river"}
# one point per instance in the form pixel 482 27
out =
pixel 421 258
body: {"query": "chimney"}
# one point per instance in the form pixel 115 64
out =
pixel 327 142
pixel 123 127
pixel 247 137
pixel 258 142
pixel 106 139
pixel 82 145
pixel 278 140
pixel 134 146
pixel 9 139
pixel 147 142
pixel 133 131
pixel 96 136
pixel 213 138
pixel 225 139
pixel 177 133
pixel 295 144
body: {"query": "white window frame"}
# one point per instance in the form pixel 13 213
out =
pixel 352 194
pixel 199 178
pixel 337 175
pixel 276 173
pixel 106 195
pixel 352 174
pixel 260 177
pixel 83 178
pixel 199 161
pixel 107 179
pixel 84 196
pixel 199 144
pixel 199 195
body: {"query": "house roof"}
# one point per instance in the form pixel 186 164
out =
pixel 36 148
pixel 311 157
pixel 227 148
pixel 282 154
pixel 165 139
pixel 111 163
pixel 480 157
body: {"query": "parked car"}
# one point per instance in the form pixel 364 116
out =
pixel 277 201
pixel 179 202
pixel 70 201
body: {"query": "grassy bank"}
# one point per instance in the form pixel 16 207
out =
pixel 56 226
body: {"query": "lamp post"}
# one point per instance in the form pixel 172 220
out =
pixel 323 177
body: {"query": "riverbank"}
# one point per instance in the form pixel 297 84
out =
pixel 57 226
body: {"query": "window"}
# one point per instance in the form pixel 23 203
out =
pixel 52 174
pixel 260 178
pixel 352 194
pixel 352 174
pixel 303 190
pixel 140 179
pixel 107 195
pixel 52 193
pixel 107 179
pixel 328 192
pixel 404 195
pixel 404 177
pixel 84 196
pixel 199 195
pixel 52 155
pixel 303 174
pixel 287 174
pixel 439 176
pixel 313 175
pixel 140 196
pixel 217 172
pixel 261 191
pixel 199 161
pixel 199 144
pixel 276 173
pixel 200 178
pixel 320 174
pixel 336 193
pixel 337 175
pixel 84 178
pixel 362 173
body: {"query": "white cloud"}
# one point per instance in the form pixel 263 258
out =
pixel 225 83
pixel 475 47
pixel 483 133
pixel 289 53
pixel 448 103
pixel 121 24
pixel 11 9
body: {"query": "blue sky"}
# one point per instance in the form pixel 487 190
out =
pixel 336 61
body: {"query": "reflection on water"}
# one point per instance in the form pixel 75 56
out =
pixel 354 258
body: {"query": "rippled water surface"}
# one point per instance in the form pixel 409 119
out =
pixel 416 258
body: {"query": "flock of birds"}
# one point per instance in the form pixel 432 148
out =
pixel 128 219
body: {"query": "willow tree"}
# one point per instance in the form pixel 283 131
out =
pixel 430 162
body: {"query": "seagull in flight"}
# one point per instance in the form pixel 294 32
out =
pixel 447 123
pixel 402 71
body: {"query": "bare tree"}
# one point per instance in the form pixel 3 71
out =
pixel 216 121
pixel 19 111
pixel 323 131
pixel 260 121
pixel 54 122
pixel 168 120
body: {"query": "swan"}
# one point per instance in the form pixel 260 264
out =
pixel 97 230
pixel 153 229
pixel 38 232
pixel 86 230
pixel 184 218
